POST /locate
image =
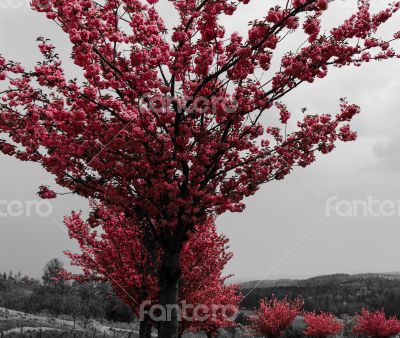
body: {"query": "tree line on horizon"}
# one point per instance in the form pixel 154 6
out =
pixel 55 297
pixel 338 294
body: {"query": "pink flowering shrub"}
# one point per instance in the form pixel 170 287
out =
pixel 274 317
pixel 374 324
pixel 321 325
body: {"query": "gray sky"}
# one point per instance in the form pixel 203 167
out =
pixel 282 213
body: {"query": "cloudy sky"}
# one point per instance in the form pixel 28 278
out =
pixel 339 215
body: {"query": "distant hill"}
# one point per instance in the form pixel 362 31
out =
pixel 269 283
pixel 318 280
pixel 338 293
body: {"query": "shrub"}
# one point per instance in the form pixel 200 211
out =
pixel 375 324
pixel 274 316
pixel 321 325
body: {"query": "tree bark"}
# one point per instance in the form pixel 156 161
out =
pixel 145 328
pixel 170 273
pixel 148 331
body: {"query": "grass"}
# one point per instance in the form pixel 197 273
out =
pixel 46 326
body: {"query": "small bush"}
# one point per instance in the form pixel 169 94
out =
pixel 274 317
pixel 375 324
pixel 321 325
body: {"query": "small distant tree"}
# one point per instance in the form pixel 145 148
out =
pixel 275 316
pixel 54 287
pixel 116 310
pixel 321 325
pixel 51 272
pixel 71 304
pixel 91 305
pixel 375 324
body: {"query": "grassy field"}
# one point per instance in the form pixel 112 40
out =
pixel 19 324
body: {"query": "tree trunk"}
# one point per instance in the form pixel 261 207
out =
pixel 170 274
pixel 145 326
pixel 148 331
pixel 142 328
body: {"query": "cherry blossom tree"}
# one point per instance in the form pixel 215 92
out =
pixel 165 126
pixel 374 324
pixel 321 325
pixel 274 317
pixel 118 255
pixel 203 260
